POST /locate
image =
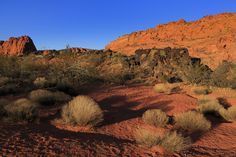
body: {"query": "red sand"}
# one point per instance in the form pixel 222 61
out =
pixel 123 108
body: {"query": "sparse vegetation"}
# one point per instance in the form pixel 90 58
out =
pixel 192 121
pixel 22 110
pixel 165 88
pixel 228 114
pixel 175 142
pixel 155 117
pixel 147 138
pixel 209 106
pixel 201 90
pixel 82 111
pixel 42 96
pixel 3 103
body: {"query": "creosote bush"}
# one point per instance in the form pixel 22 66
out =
pixel 228 114
pixel 192 121
pixel 209 106
pixel 82 111
pixel 147 138
pixel 155 117
pixel 174 142
pixel 22 110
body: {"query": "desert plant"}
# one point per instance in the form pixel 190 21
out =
pixel 164 88
pixel 10 88
pixel 22 109
pixel 40 82
pixel 201 90
pixel 146 137
pixel 192 121
pixel 4 80
pixel 209 106
pixel 155 117
pixel 44 97
pixel 228 114
pixel 82 111
pixel 61 97
pixel 175 142
pixel 3 103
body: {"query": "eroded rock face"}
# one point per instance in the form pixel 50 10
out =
pixel 17 46
pixel 212 38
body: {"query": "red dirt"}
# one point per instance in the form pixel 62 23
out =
pixel 123 108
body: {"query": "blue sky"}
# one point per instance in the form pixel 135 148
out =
pixel 53 24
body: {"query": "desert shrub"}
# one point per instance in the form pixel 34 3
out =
pixel 44 97
pixel 61 97
pixel 192 121
pixel 224 75
pixel 155 117
pixel 4 80
pixel 228 114
pixel 175 142
pixel 198 74
pixel 209 106
pixel 82 111
pixel 146 137
pixel 10 88
pixel 22 110
pixel 3 103
pixel 165 88
pixel 202 90
pixel 9 66
pixel 40 82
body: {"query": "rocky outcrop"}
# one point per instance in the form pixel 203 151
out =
pixel 212 38
pixel 17 46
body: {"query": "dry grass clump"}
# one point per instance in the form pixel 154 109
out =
pixel 155 117
pixel 147 138
pixel 42 96
pixel 45 97
pixel 174 142
pixel 82 111
pixel 229 114
pixel 40 82
pixel 201 90
pixel 209 106
pixel 192 121
pixel 22 110
pixel 165 88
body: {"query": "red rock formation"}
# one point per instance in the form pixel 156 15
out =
pixel 212 38
pixel 17 46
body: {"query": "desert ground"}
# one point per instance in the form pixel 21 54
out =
pixel 129 99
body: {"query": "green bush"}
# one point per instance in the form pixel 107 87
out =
pixel 22 110
pixel 82 111
pixel 192 121
pixel 155 117
pixel 147 138
pixel 175 142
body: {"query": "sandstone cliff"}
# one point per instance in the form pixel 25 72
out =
pixel 17 46
pixel 212 38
